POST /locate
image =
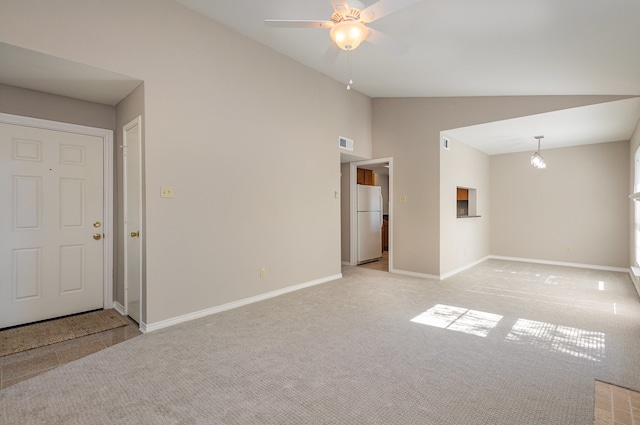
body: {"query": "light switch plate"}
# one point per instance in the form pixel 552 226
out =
pixel 166 191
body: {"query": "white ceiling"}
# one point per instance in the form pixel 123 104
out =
pixel 463 47
pixel 604 122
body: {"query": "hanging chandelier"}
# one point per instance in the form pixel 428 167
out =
pixel 536 159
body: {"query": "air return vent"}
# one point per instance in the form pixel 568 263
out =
pixel 345 143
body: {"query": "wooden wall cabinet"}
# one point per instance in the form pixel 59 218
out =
pixel 365 177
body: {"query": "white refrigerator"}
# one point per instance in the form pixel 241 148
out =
pixel 369 223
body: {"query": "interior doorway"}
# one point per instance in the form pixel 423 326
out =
pixel 132 183
pixel 382 170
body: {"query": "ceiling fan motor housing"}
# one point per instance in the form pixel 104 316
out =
pixel 352 14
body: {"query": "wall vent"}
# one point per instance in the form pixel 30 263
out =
pixel 345 143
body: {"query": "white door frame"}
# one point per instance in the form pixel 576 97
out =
pixel 353 210
pixel 107 138
pixel 131 124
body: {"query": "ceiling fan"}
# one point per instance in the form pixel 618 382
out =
pixel 348 24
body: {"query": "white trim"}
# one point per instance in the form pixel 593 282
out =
pixel 235 304
pixel 463 268
pixel 346 263
pixel 636 279
pixel 107 138
pixel 561 263
pixel 415 274
pixel 119 308
pixel 353 210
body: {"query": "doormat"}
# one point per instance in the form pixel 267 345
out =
pixel 26 337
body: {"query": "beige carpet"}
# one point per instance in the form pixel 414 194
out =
pixel 502 343
pixel 24 338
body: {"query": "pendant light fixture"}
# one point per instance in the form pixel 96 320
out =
pixel 536 159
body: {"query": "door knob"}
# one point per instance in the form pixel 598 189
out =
pixel 97 236
pixel 97 224
pixel 135 234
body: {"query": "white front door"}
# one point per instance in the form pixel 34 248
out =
pixel 51 224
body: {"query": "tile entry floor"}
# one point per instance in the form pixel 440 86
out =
pixel 616 405
pixel 27 364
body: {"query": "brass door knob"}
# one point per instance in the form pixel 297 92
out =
pixel 97 236
pixel 135 234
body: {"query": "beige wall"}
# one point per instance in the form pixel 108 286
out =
pixel 221 113
pixel 463 241
pixel 36 104
pixel 574 211
pixel 408 129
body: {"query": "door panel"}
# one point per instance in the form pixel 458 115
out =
pixel 133 222
pixel 51 184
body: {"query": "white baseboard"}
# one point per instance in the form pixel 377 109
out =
pixel 119 308
pixel 636 280
pixel 561 263
pixel 235 304
pixel 463 268
pixel 415 274
pixel 346 263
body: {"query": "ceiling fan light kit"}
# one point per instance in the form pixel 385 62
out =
pixel 348 34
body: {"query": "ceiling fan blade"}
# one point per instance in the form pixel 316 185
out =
pixel 388 43
pixel 383 8
pixel 330 56
pixel 284 23
pixel 340 6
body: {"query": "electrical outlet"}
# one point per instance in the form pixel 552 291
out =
pixel 263 272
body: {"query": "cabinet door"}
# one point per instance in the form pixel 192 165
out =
pixel 368 177
pixel 360 176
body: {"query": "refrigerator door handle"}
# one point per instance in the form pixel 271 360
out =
pixel 381 211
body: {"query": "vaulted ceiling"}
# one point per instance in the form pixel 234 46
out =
pixel 463 47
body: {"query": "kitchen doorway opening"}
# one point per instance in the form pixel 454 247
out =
pixel 371 221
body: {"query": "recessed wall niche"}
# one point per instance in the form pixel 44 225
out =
pixel 466 202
